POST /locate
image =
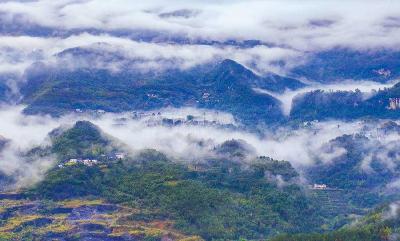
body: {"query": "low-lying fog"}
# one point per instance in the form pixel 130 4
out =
pixel 302 146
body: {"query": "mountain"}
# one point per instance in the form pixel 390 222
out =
pixel 319 105
pixel 342 63
pixel 345 105
pixel 226 86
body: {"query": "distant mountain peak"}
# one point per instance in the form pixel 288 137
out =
pixel 229 71
pixel 229 64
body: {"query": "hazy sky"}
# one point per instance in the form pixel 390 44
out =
pixel 37 30
pixel 298 24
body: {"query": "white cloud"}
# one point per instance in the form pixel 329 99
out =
pixel 20 52
pixel 302 147
pixel 302 25
pixel 180 142
pixel 292 28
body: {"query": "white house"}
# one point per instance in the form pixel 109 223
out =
pixel 319 186
pixel 120 155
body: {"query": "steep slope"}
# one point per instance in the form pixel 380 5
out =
pixel 228 87
pixel 277 83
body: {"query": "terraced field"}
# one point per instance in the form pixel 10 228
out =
pixel 81 219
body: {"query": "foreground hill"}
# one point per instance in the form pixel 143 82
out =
pixel 219 198
pixel 226 196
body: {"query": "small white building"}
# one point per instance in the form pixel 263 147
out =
pixel 73 161
pixel 120 155
pixel 319 186
pixel 89 163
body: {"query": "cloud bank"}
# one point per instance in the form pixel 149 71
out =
pixel 152 35
pixel 181 142
pixel 300 25
pixel 302 147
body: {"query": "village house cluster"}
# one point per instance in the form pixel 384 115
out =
pixel 156 118
pixel 74 161
pixel 91 162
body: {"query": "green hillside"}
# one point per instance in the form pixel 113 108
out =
pixel 215 199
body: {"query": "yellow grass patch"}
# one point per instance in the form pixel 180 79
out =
pixel 194 238
pixel 74 203
pixel 17 221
